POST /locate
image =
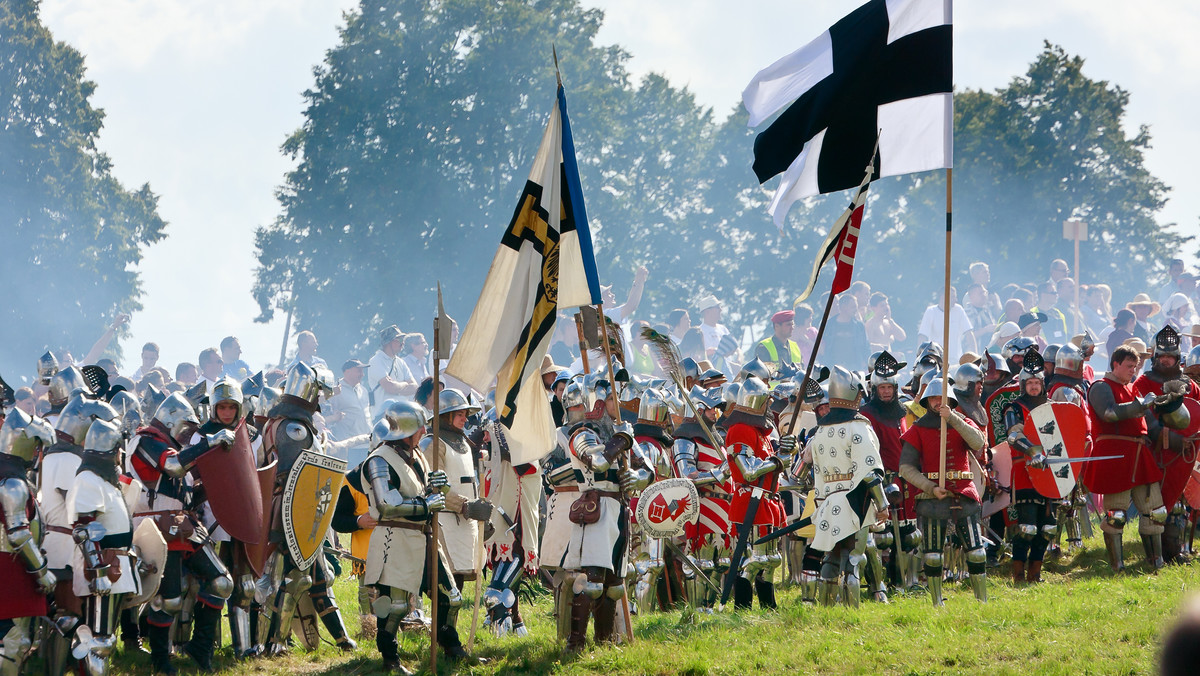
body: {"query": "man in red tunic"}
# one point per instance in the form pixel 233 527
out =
pixel 1175 454
pixel 1037 523
pixel 1119 428
pixel 887 416
pixel 958 501
pixel 754 466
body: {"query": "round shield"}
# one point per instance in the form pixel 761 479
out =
pixel 1191 490
pixel 1061 430
pixel 152 549
pixel 995 410
pixel 666 507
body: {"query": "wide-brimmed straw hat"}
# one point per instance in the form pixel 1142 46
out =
pixel 1143 300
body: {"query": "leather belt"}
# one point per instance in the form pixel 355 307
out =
pixel 1117 437
pixel 615 495
pixel 406 525
pixel 830 478
pixel 60 529
pixel 950 476
pixel 566 489
pixel 715 495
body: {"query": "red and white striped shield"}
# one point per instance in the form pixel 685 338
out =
pixel 1060 428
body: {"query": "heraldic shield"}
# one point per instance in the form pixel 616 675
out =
pixel 1060 428
pixel 666 507
pixel 308 498
pixel 230 476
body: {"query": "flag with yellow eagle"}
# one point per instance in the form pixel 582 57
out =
pixel 545 262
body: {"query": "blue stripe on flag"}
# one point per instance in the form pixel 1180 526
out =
pixel 575 189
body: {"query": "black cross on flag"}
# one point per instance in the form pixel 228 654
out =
pixel 885 69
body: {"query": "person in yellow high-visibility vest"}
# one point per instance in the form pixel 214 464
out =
pixel 779 348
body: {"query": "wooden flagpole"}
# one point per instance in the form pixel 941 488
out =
pixel 435 450
pixel 946 306
pixel 812 359
pixel 624 458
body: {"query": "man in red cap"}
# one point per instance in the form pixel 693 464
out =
pixel 779 349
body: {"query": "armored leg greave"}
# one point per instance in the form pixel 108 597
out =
pixel 326 606
pixel 876 579
pixel 1114 547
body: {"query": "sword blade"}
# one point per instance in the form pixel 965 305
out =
pixel 1063 461
pixel 739 550
pixel 692 564
pixel 780 532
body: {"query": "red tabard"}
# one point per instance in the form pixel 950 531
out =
pixel 928 440
pixel 770 511
pixel 21 597
pixel 889 453
pixel 1136 466
pixel 1176 467
pixel 889 440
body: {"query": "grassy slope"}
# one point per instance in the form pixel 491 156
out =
pixel 1082 620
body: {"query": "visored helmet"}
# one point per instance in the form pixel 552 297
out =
pixel 706 399
pixel 308 382
pixel 103 437
pixel 65 383
pixel 47 366
pixel 654 409
pixel 129 411
pixel 1069 361
pixel 401 420
pixel 885 370
pixel 175 414
pixel 757 368
pixel 22 434
pixel 1166 344
pixel 1017 346
pixel 1033 367
pixel 267 398
pixel 77 416
pixel 845 388
pixel 753 396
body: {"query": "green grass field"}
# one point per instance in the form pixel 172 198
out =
pixel 1081 620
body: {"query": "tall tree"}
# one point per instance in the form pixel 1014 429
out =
pixel 72 233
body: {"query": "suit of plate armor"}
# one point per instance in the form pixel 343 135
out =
pixel 656 573
pixel 849 489
pixel 1037 521
pixel 103 532
pixel 23 566
pixel 597 553
pixel 1176 455
pixel 1067 385
pixel 60 463
pixel 167 497
pixel 289 431
pixel 755 467
pixel 695 458
pixel 403 495
pixel 920 461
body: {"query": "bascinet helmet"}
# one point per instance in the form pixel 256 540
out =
pixel 753 396
pixel 47 366
pixel 757 368
pixel 1069 361
pixel 1166 344
pixel 103 437
pixel 129 411
pixel 654 409
pixel 64 384
pixel 1034 366
pixel 886 370
pixel 308 382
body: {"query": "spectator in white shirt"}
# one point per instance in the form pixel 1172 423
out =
pixel 211 366
pixel 416 356
pixel 711 327
pixel 960 327
pixel 387 375
pixel 350 411
pixel 231 354
pixel 149 360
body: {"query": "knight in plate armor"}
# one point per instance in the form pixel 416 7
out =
pixel 24 568
pixel 849 483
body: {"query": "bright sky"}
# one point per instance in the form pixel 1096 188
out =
pixel 199 96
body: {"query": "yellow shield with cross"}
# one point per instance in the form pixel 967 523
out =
pixel 309 495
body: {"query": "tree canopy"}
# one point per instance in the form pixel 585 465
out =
pixel 78 231
pixel 421 124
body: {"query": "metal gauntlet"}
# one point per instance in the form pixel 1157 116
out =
pixel 96 568
pixel 26 549
pixel 753 468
